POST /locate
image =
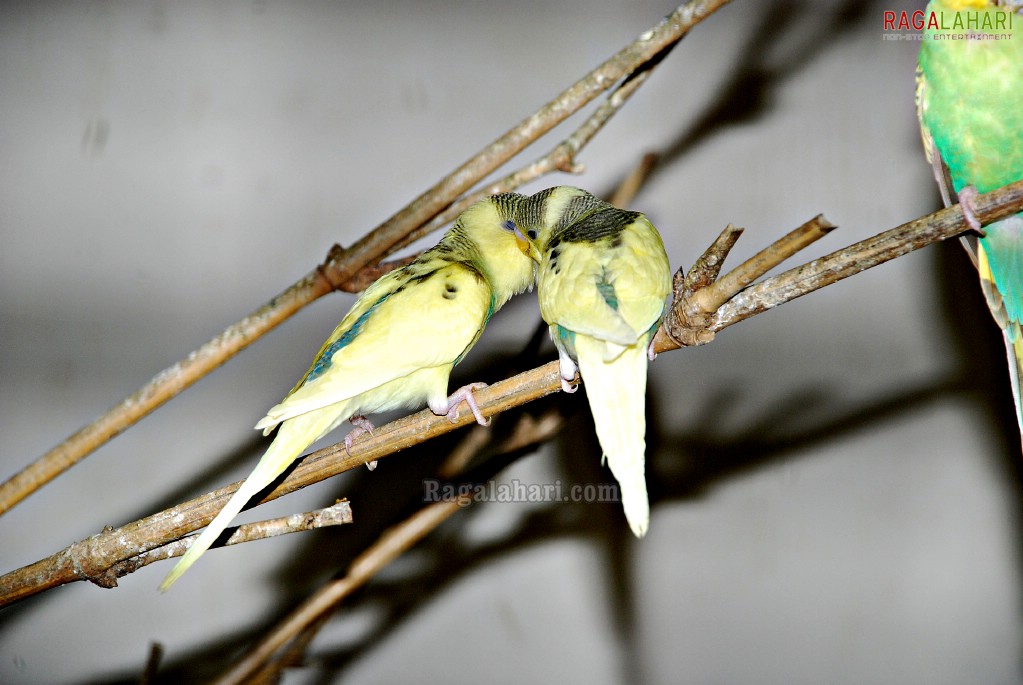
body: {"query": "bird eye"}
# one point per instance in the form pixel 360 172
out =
pixel 508 225
pixel 531 233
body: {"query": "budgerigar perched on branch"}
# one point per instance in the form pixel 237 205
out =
pixel 602 284
pixel 396 347
pixel 970 104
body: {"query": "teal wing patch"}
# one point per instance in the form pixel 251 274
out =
pixel 428 320
pixel 1003 246
pixel 612 288
pixel 576 293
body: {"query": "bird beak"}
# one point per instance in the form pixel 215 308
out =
pixel 526 245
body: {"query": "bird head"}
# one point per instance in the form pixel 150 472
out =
pixel 539 216
pixel 506 255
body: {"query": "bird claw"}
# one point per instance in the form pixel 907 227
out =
pixel 567 369
pixel 362 425
pixel 968 203
pixel 650 354
pixel 464 394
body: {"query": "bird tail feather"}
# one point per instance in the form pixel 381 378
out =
pixel 1014 350
pixel 292 438
pixel 616 391
pixel 1005 318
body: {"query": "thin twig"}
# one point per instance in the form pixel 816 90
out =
pixel 336 514
pixel 715 295
pixel 865 254
pixel 702 292
pixel 369 274
pixel 342 265
pixel 688 328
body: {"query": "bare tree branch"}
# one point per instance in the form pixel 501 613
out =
pixel 343 264
pixel 92 558
pixel 703 293
pixel 336 514
pixel 561 158
pixel 865 254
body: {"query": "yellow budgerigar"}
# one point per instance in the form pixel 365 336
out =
pixel 396 347
pixel 602 284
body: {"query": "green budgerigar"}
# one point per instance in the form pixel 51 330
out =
pixel 970 104
pixel 602 284
pixel 396 347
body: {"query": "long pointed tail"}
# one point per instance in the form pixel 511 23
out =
pixel 616 391
pixel 1014 351
pixel 1002 256
pixel 292 438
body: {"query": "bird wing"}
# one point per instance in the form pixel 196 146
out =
pixel 576 291
pixel 612 289
pixel 417 320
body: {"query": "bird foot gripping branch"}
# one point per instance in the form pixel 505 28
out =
pixel 968 203
pixel 464 394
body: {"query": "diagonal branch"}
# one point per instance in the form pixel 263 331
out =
pixel 335 515
pixel 92 558
pixel 561 158
pixel 702 293
pixel 391 544
pixel 344 264
pixel 841 264
pixel 873 251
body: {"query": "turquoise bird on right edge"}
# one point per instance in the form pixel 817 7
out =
pixel 970 105
pixel 602 284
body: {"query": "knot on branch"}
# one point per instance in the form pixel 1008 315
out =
pixel 562 157
pixel 699 294
pixel 88 561
pixel 328 269
pixel 694 295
